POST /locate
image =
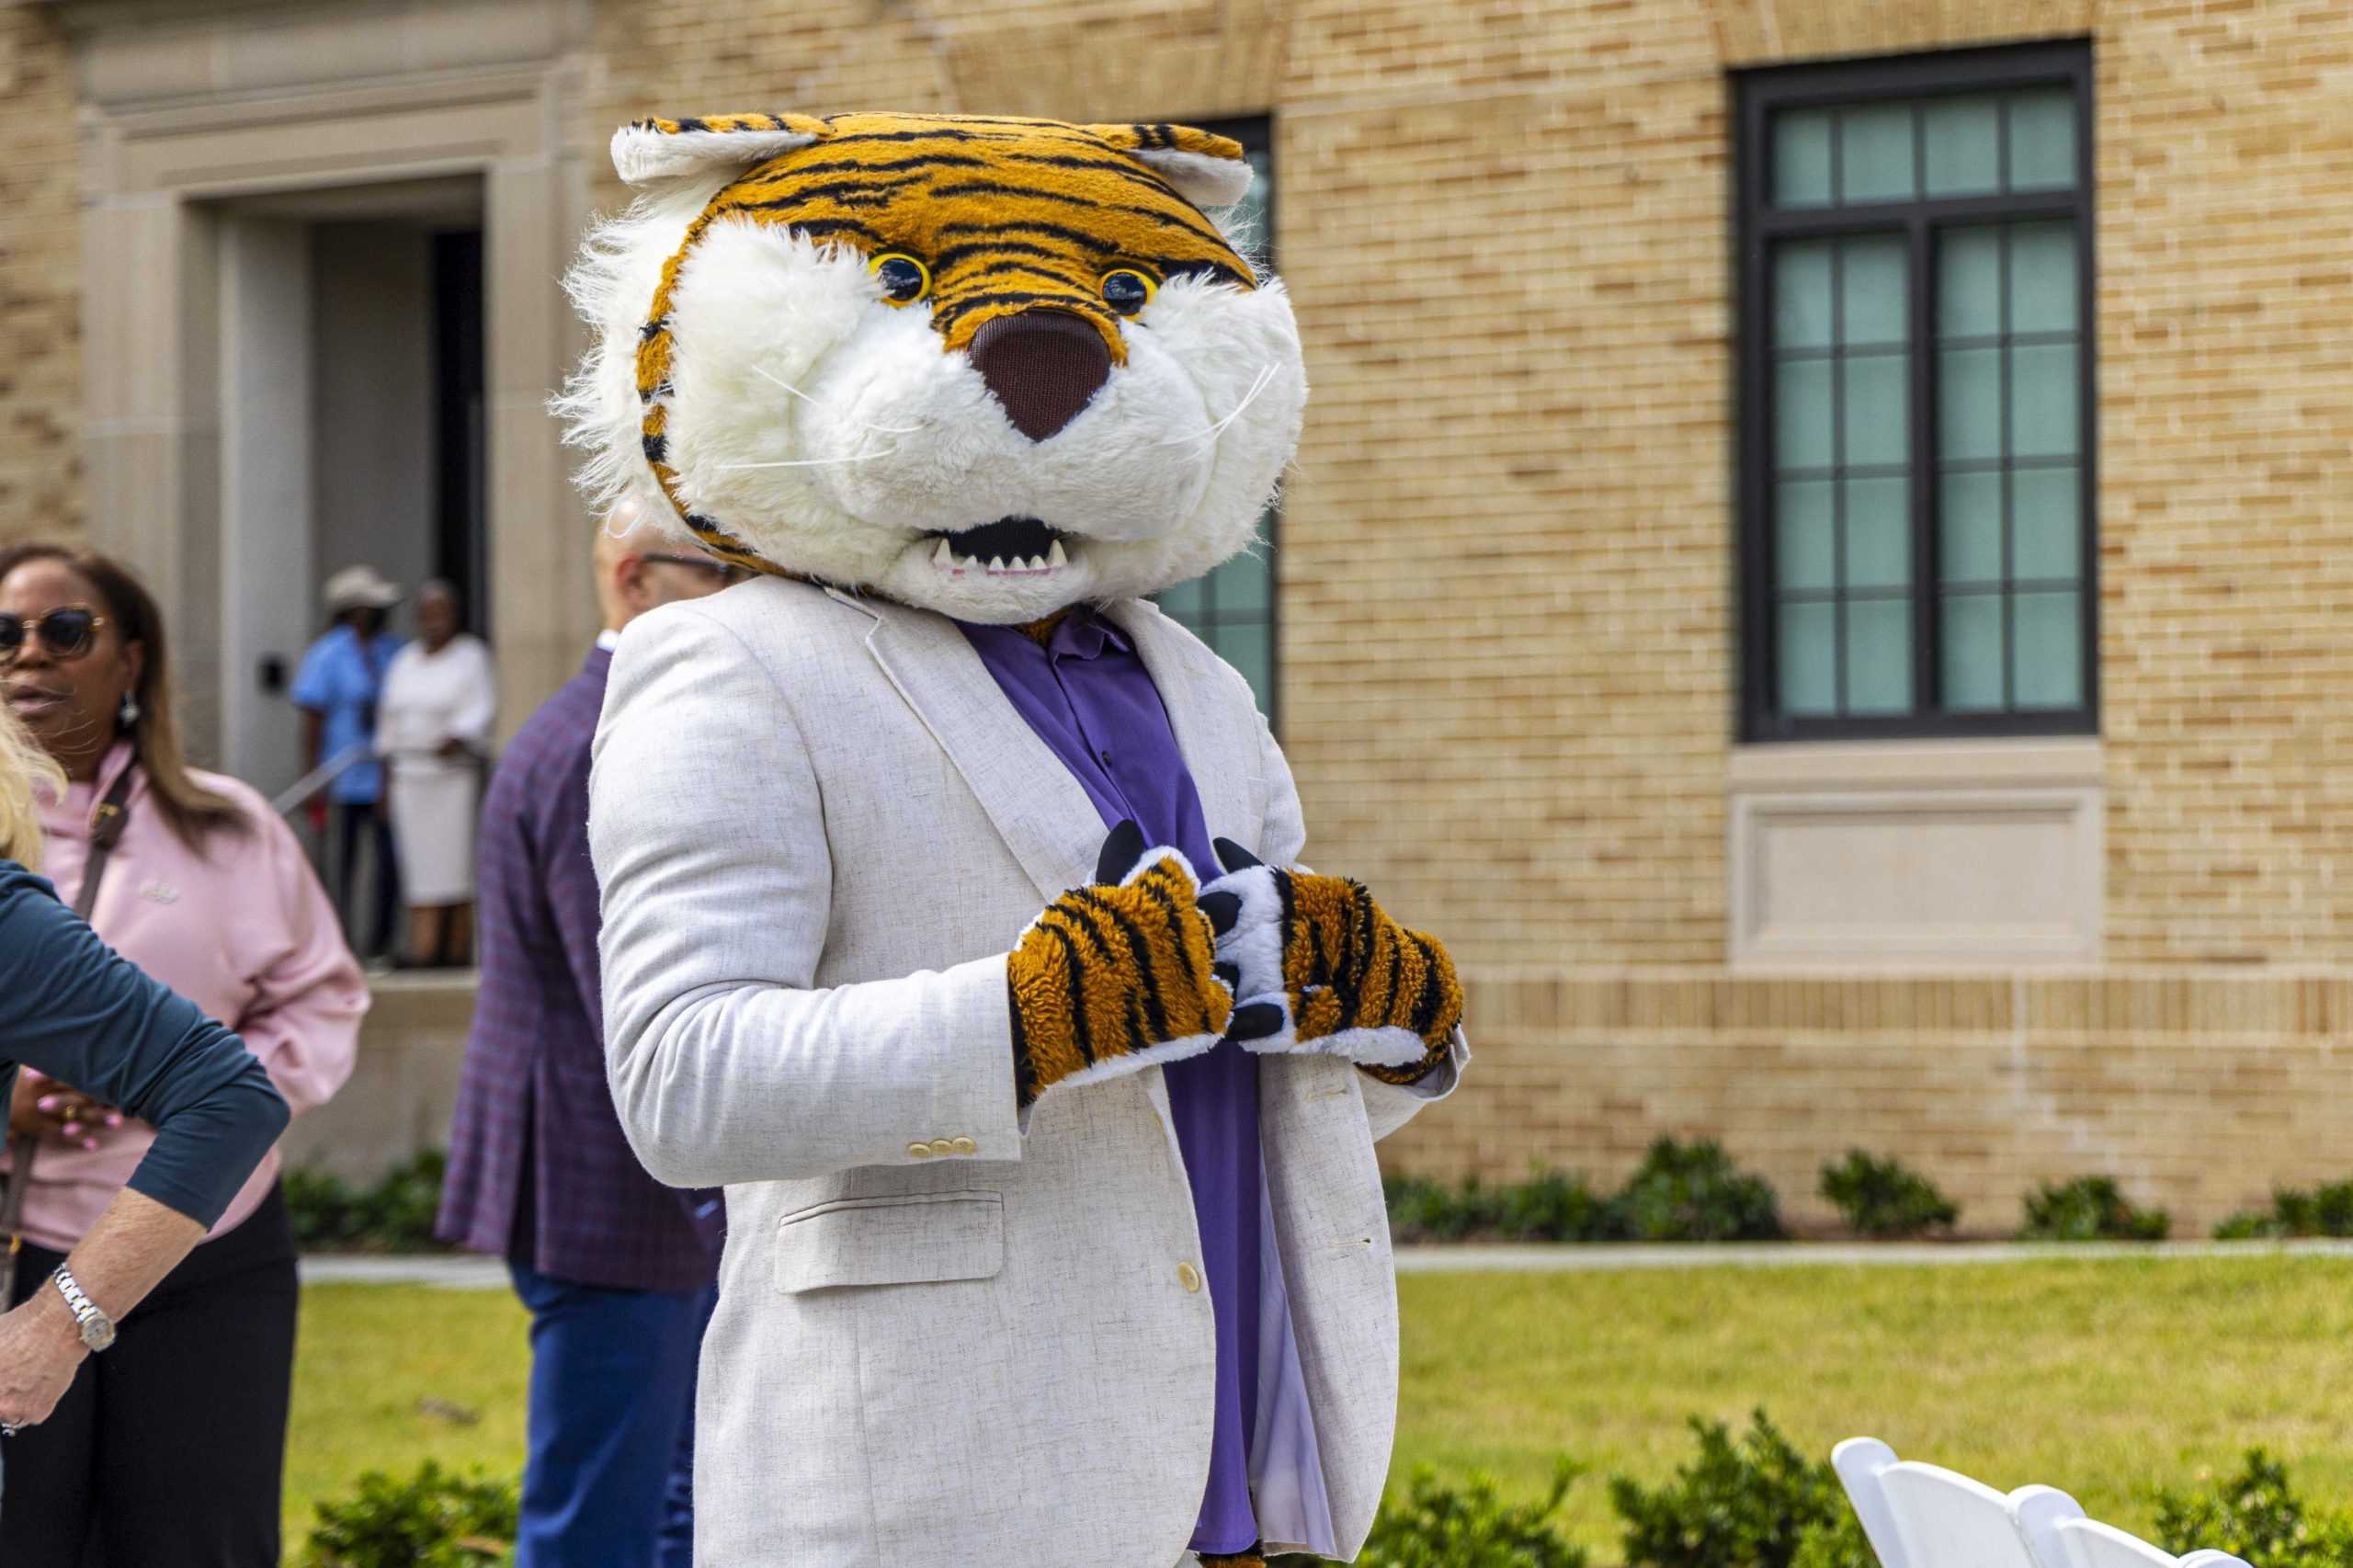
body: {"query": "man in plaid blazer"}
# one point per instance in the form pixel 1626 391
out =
pixel 616 1269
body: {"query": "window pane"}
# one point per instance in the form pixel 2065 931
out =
pixel 2050 650
pixel 1241 585
pixel 1182 601
pixel 1968 282
pixel 1973 651
pixel 1878 656
pixel 1879 533
pixel 1969 523
pixel 2042 139
pixel 1963 144
pixel 1875 153
pixel 1969 403
pixel 1801 414
pixel 2048 538
pixel 1250 650
pixel 1871 290
pixel 1808 659
pixel 1802 158
pixel 2042 278
pixel 2043 387
pixel 1802 549
pixel 1802 295
pixel 1877 403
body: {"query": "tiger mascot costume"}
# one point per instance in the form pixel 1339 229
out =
pixel 1055 1234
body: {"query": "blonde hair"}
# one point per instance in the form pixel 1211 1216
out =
pixel 23 764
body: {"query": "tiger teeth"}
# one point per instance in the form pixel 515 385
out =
pixel 1055 557
pixel 943 556
pixel 1037 564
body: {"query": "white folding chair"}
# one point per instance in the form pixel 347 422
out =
pixel 2087 1543
pixel 1923 1516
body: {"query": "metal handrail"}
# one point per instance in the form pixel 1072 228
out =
pixel 297 795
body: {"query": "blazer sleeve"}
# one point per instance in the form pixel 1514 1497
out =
pixel 1283 839
pixel 75 1010
pixel 728 1063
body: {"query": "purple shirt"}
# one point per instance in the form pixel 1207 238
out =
pixel 1088 696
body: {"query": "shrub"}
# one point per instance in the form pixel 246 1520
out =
pixel 1436 1525
pixel 436 1519
pixel 2325 1211
pixel 2090 1209
pixel 1694 1193
pixel 395 1215
pixel 2255 1515
pixel 1739 1504
pixel 1421 1210
pixel 1555 1206
pixel 1885 1198
pixel 1841 1544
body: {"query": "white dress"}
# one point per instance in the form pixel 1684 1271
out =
pixel 428 699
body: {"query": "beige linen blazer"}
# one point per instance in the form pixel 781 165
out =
pixel 943 1335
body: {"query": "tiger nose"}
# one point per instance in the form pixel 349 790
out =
pixel 1044 365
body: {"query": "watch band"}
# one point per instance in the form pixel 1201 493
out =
pixel 97 1328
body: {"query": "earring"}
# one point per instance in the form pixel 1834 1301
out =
pixel 128 714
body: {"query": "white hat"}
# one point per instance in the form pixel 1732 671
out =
pixel 360 587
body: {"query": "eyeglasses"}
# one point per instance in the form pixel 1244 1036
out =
pixel 67 633
pixel 698 562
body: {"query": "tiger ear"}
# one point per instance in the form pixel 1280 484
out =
pixel 647 151
pixel 1205 169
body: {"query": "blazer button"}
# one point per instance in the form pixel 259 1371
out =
pixel 942 1146
pixel 918 1150
pixel 1189 1277
pixel 966 1146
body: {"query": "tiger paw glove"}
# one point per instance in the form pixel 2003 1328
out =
pixel 1320 970
pixel 1119 974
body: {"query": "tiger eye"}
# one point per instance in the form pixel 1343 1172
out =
pixel 903 278
pixel 1126 290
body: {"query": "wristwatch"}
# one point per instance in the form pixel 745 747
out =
pixel 97 1328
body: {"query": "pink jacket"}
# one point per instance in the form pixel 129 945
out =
pixel 243 931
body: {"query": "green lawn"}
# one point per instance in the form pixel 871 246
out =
pixel 2099 1377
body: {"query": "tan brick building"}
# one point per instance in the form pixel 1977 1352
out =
pixel 1724 851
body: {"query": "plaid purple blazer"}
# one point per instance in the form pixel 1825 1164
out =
pixel 538 1168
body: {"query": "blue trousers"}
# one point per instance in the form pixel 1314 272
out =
pixel 608 1475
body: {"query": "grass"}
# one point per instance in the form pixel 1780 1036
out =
pixel 2102 1377
pixel 384 1374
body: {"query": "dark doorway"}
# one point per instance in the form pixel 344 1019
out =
pixel 461 441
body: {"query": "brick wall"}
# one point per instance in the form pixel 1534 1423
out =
pixel 2197 1093
pixel 41 378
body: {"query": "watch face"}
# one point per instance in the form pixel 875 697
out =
pixel 97 1334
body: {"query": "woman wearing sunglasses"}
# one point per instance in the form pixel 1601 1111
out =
pixel 167 1448
pixel 78 1013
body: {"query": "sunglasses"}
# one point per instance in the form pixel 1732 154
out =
pixel 67 633
pixel 698 562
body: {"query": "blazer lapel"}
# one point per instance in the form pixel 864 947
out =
pixel 1222 759
pixel 1043 814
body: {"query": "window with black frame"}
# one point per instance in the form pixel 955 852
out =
pixel 1917 410
pixel 1233 608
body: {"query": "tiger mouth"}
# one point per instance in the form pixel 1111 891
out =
pixel 1010 547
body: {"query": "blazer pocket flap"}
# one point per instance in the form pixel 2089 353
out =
pixel 916 1240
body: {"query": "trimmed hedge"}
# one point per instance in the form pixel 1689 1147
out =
pixel 2325 1211
pixel 2090 1209
pixel 1886 1197
pixel 1681 1192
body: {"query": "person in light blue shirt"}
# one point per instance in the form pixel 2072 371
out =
pixel 337 689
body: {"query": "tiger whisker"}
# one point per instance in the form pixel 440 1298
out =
pixel 878 429
pixel 1265 379
pixel 812 462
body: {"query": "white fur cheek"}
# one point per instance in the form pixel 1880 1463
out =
pixel 756 311
pixel 1229 342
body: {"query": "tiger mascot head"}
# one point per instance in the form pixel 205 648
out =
pixel 984 366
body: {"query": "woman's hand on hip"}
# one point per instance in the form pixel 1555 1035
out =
pixel 45 1108
pixel 39 1351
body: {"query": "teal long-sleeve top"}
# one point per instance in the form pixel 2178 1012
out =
pixel 71 1007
